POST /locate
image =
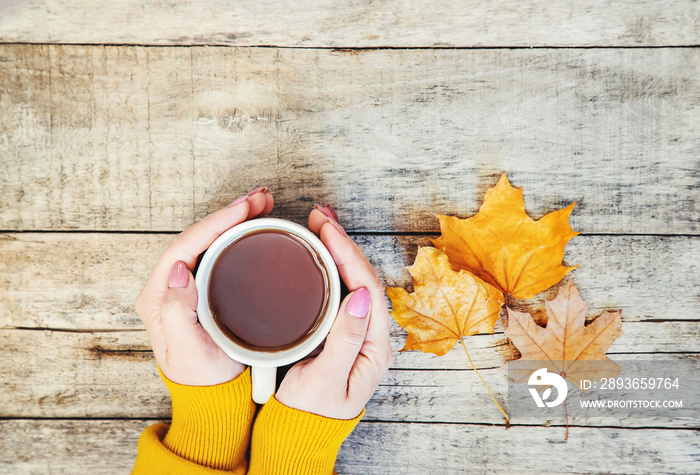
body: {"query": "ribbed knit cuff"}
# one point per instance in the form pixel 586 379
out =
pixel 211 424
pixel 287 441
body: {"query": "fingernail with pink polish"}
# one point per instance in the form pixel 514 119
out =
pixel 358 305
pixel 325 212
pixel 179 275
pixel 238 201
pixel 332 211
pixel 262 189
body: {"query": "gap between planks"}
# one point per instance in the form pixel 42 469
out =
pixel 350 232
pixel 348 49
pixel 371 421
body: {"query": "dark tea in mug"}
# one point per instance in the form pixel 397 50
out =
pixel 268 290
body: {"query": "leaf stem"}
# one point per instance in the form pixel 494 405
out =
pixel 485 385
pixel 566 411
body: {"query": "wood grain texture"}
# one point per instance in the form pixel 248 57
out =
pixel 454 448
pixel 108 447
pixel 360 23
pixel 150 138
pixel 89 281
pixel 69 446
pixel 460 397
pixel 114 375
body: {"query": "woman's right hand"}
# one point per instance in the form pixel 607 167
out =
pixel 341 379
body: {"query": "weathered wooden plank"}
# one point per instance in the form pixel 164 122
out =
pixel 90 281
pixel 490 351
pixel 107 447
pixel 330 23
pixel 30 447
pixel 113 374
pixel 48 370
pixel 636 274
pixel 459 396
pixel 436 448
pixel 75 281
pixel 150 138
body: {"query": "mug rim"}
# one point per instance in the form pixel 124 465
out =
pixel 249 356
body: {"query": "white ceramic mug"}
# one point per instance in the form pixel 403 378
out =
pixel 264 364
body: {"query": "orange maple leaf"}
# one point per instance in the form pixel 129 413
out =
pixel 566 346
pixel 506 248
pixel 445 305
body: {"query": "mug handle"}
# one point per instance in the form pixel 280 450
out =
pixel 264 379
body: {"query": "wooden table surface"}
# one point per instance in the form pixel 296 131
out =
pixel 122 123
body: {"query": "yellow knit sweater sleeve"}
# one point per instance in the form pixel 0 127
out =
pixel 289 441
pixel 209 434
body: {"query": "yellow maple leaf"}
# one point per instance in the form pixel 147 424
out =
pixel 445 305
pixel 566 346
pixel 506 248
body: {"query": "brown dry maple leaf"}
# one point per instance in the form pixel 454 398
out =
pixel 566 346
pixel 445 305
pixel 506 248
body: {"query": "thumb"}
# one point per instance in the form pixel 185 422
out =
pixel 347 335
pixel 179 308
